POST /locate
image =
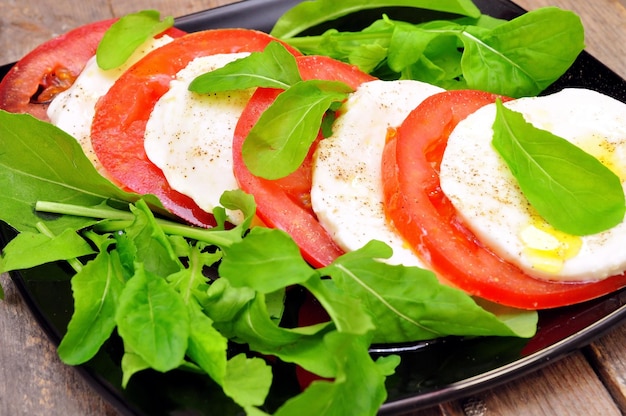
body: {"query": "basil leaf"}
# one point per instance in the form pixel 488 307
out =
pixel 275 67
pixel 278 143
pixel 127 34
pixel 552 39
pixel 569 188
pixel 311 13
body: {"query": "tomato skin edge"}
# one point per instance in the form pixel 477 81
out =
pixel 421 213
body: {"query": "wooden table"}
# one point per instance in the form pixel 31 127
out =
pixel 33 381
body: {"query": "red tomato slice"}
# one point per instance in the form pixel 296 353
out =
pixel 286 203
pixel 48 69
pixel 420 211
pixel 121 115
pixel 51 68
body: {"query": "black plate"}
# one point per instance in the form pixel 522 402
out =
pixel 430 373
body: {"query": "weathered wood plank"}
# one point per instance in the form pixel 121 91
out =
pixel 33 381
pixel 564 388
pixel 608 356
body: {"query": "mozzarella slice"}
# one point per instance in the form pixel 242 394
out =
pixel 488 199
pixel 73 109
pixel 189 136
pixel 347 193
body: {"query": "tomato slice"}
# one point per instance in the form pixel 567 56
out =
pixel 419 210
pixel 49 68
pixel 121 115
pixel 286 203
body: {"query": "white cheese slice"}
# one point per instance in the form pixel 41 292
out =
pixel 488 199
pixel 73 109
pixel 347 193
pixel 189 136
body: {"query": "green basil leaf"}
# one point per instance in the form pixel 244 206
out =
pixel 278 143
pixel 534 50
pixel 127 34
pixel 569 188
pixel 311 13
pixel 275 67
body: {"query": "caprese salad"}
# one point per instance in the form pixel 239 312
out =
pixel 449 170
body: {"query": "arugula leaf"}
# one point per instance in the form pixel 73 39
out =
pixel 308 14
pixel 152 248
pixel 274 67
pixel 280 140
pixel 347 311
pixel 266 254
pixel 96 290
pixel 30 249
pixel 357 373
pixel 247 380
pixel 41 162
pixel 127 34
pixel 207 346
pixel 242 315
pixel 408 303
pixel 569 188
pixel 552 40
pixel 528 53
pixel 131 363
pixel 153 320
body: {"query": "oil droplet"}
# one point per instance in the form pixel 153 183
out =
pixel 603 150
pixel 547 248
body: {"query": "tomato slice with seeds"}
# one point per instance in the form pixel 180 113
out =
pixel 49 69
pixel 286 203
pixel 122 114
pixel 419 210
pixel 52 67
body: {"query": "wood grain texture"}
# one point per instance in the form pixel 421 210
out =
pixel 34 382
